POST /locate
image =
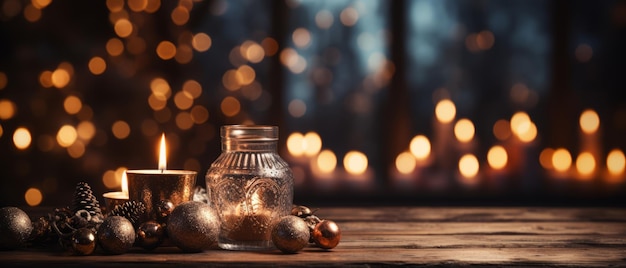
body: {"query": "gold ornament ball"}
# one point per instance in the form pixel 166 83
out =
pixel 83 241
pixel 15 228
pixel 193 226
pixel 326 234
pixel 116 235
pixel 290 234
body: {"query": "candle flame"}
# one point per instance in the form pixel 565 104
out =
pixel 162 154
pixel 561 160
pixel 616 162
pixel 295 144
pixel 326 161
pixel 420 147
pixel 589 121
pixel 445 111
pixel 545 158
pixel 586 164
pixel 464 130
pixel 497 157
pixel 124 183
pixel 405 163
pixel 312 143
pixel 523 127
pixel 355 162
pixel 520 123
pixel 469 166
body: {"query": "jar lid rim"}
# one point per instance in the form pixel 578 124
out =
pixel 249 132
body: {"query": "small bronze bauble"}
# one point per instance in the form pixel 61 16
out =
pixel 193 226
pixel 149 235
pixel 15 228
pixel 326 234
pixel 116 235
pixel 301 211
pixel 290 234
pixel 83 241
pixel 164 208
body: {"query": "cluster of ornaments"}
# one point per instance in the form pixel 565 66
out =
pixel 192 226
pixel 294 232
pixel 82 227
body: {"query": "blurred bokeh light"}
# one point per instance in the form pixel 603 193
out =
pixel 519 101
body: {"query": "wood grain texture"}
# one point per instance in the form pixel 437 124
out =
pixel 417 236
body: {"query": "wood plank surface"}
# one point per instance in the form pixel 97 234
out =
pixel 415 236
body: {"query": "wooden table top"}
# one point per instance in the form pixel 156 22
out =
pixel 419 236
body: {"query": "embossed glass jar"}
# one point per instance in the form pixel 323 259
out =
pixel 250 186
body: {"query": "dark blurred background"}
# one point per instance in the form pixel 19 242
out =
pixel 431 102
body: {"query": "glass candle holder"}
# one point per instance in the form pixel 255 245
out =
pixel 152 186
pixel 114 199
pixel 250 186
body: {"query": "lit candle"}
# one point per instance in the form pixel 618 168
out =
pixel 302 153
pixel 589 122
pixel 113 199
pixel 615 165
pixel 464 131
pixel 585 166
pixel 445 112
pixel 244 226
pixel 522 150
pixel 409 164
pixel 295 144
pixel 468 169
pixel 420 148
pixel 150 186
pixel 297 148
pixel 358 173
pixel 404 174
pixel 561 162
pixel 524 132
pixel 324 168
pixel 497 159
pixel 312 144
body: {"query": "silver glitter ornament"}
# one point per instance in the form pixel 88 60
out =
pixel 15 228
pixel 116 235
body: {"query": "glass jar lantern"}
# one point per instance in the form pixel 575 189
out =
pixel 250 186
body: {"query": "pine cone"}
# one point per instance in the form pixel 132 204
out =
pixel 131 210
pixel 85 200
